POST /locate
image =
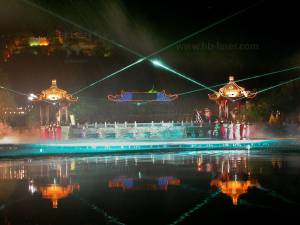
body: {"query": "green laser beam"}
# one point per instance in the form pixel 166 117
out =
pixel 159 64
pixel 198 206
pixel 108 76
pixel 110 219
pixel 13 91
pixel 178 41
pixel 244 79
pixel 204 29
pixel 272 87
pixel 19 93
pixel 125 48
pixel 278 196
pixel 278 85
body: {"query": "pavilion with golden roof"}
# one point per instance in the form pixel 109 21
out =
pixel 231 92
pixel 54 104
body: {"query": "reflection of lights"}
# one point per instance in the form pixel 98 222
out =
pixel 32 189
pixel 209 167
pixel 152 184
pixel 73 165
pixel 235 188
pixel 56 192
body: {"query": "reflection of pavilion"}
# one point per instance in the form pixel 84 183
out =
pixel 53 180
pixel 234 175
pixel 153 184
pixel 55 192
pixel 234 188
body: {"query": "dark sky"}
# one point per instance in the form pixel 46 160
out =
pixel 146 26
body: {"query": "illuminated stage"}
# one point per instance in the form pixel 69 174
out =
pixel 121 146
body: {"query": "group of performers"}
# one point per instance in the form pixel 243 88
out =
pixel 221 129
pixel 51 132
pixel 230 130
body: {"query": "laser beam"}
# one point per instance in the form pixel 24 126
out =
pixel 108 76
pixel 125 48
pixel 198 206
pixel 278 85
pixel 177 42
pixel 13 91
pixel 29 96
pixel 160 64
pixel 273 86
pixel 244 79
pixel 204 29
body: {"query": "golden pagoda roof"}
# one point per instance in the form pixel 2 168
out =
pixel 231 91
pixel 53 93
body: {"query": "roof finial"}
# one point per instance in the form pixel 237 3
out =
pixel 54 83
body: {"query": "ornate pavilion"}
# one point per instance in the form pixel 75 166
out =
pixel 230 93
pixel 54 104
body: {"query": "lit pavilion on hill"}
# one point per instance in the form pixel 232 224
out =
pixel 54 104
pixel 231 92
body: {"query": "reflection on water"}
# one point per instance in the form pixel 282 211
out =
pixel 234 188
pixel 163 187
pixel 152 184
pixel 234 178
pixel 54 192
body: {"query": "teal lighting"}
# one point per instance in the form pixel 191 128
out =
pixel 122 146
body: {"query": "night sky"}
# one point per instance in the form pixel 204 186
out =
pixel 145 27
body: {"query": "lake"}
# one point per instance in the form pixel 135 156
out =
pixel 189 187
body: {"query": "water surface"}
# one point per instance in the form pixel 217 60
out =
pixel 190 187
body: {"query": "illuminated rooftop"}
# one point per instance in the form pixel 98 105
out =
pixel 53 93
pixel 231 90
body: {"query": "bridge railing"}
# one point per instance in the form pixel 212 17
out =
pixel 137 125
